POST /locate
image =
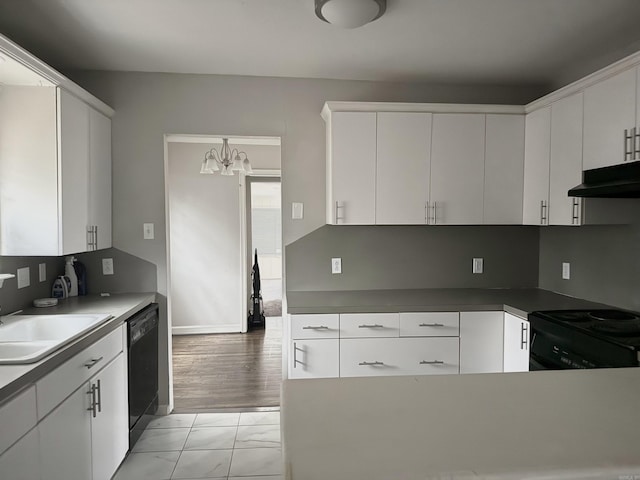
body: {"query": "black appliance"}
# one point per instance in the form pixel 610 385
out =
pixel 567 339
pixel 142 343
pixel 617 181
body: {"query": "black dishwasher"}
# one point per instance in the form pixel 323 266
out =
pixel 142 334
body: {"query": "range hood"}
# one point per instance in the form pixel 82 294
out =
pixel 617 181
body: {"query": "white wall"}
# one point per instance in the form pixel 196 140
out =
pixel 205 245
pixel 150 105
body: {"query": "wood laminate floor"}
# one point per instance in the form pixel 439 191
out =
pixel 228 370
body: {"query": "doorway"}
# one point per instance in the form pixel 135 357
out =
pixel 216 363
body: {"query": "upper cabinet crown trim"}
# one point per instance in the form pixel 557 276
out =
pixel 626 63
pixel 17 53
pixel 332 107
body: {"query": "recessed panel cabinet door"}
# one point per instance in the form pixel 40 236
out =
pixel 403 164
pixel 457 169
pixel 565 165
pixel 100 177
pixel 65 439
pixel 535 205
pixel 352 169
pixel 609 109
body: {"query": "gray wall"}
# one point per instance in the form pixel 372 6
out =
pixel 149 106
pixel 12 298
pixel 413 257
pixel 605 263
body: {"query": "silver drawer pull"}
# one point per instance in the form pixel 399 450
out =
pixel 93 362
pixel 320 327
pixel 431 362
pixel 431 325
pixel 371 363
pixel 375 325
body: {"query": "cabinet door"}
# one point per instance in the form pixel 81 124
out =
pixel 503 169
pixel 516 344
pixel 457 169
pixel 20 462
pixel 317 358
pixel 565 166
pixel 110 426
pixel 609 109
pixel 73 178
pixel 403 163
pixel 430 356
pixel 481 342
pixel 351 170
pixel 537 144
pixel 636 152
pixel 100 177
pixel 65 439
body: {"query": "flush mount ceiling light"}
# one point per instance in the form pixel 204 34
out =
pixel 226 161
pixel 350 13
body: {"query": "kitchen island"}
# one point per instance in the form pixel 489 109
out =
pixel 573 424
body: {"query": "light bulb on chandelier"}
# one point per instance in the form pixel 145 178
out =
pixel 226 161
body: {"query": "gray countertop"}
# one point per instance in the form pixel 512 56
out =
pixel 14 378
pixel 517 301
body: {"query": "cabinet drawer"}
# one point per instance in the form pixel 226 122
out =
pixel 430 324
pixel 314 326
pixel 399 356
pixel 361 325
pixel 315 358
pixel 17 417
pixel 62 382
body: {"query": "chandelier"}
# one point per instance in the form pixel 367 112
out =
pixel 226 161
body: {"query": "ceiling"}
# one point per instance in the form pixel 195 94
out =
pixel 504 42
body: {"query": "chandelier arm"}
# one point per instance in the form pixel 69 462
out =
pixel 216 156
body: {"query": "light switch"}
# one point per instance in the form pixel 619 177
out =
pixel 566 271
pixel 107 266
pixel 23 277
pixel 297 210
pixel 148 231
pixel 336 265
pixel 42 272
pixel 478 265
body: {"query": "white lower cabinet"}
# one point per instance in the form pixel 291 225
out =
pixel 516 343
pixel 20 461
pixel 481 342
pixel 316 358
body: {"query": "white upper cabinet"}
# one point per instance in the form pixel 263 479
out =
pixel 609 110
pixel 565 169
pixel 536 167
pixel 99 179
pixel 503 169
pixel 457 169
pixel 403 164
pixel 351 168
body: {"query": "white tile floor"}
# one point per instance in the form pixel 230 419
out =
pixel 205 446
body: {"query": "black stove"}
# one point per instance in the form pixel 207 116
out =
pixel 564 339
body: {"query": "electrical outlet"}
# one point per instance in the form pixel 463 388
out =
pixel 148 231
pixel 297 210
pixel 478 265
pixel 336 265
pixel 107 266
pixel 566 271
pixel 23 275
pixel 42 272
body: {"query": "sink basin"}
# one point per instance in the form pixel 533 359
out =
pixel 29 338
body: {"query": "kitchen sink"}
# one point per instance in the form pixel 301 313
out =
pixel 30 338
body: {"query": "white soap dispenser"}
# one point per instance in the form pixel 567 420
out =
pixel 70 273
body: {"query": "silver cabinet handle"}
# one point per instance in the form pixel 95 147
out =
pixel 95 239
pixel 431 325
pixel 543 212
pixel 99 402
pixel 319 327
pixel 92 363
pixel 575 209
pixel 295 357
pixel 523 336
pixel 89 232
pixel 375 325
pixel 435 212
pixel 431 362
pixel 338 217
pixel 92 408
pixel 371 364
pixel 636 143
pixel 629 136
pixel 426 213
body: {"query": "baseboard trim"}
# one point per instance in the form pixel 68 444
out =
pixel 205 329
